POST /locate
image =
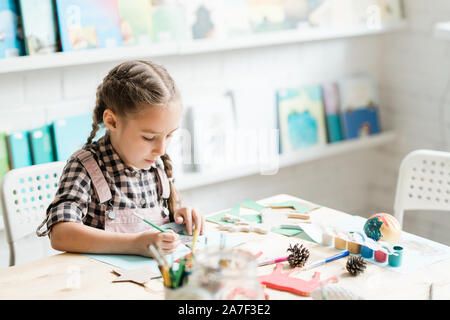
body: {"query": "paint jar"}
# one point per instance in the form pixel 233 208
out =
pixel 353 246
pixel 366 252
pixel 395 259
pixel 327 239
pixel 340 243
pixel 227 274
pixel 380 256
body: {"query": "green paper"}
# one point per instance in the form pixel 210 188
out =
pixel 296 205
pixel 249 204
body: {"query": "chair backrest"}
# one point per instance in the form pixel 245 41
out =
pixel 423 183
pixel 26 193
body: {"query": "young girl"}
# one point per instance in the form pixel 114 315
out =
pixel 126 172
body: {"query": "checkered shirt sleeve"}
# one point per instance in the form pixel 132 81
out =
pixel 71 199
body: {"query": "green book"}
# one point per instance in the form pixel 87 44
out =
pixel 4 158
pixel 41 145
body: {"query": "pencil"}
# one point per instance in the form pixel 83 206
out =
pixel 148 222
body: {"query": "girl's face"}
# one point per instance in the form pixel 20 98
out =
pixel 139 139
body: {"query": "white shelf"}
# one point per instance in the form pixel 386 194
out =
pixel 195 180
pixel 442 30
pixel 65 59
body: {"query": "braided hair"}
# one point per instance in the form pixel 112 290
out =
pixel 125 90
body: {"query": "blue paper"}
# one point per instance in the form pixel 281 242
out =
pixel 130 262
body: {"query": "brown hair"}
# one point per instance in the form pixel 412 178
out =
pixel 126 89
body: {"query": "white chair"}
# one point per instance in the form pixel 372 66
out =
pixel 423 183
pixel 26 194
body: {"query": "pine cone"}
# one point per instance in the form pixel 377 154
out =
pixel 299 255
pixel 356 265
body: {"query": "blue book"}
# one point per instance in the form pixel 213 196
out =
pixel 41 145
pixel 70 134
pixel 87 24
pixel 359 106
pixel 39 25
pixel 19 149
pixel 360 122
pixel 11 42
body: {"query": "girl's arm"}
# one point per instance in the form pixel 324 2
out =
pixel 76 237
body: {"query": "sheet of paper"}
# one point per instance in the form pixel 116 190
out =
pixel 129 262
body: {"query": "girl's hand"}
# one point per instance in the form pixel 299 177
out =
pixel 166 241
pixel 191 217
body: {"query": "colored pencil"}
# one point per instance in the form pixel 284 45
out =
pixel 148 222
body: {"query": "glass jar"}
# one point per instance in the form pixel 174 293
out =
pixel 227 274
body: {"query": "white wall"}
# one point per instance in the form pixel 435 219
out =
pixel 415 95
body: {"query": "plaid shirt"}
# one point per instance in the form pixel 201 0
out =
pixel 76 200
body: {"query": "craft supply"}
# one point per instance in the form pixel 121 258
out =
pixel 355 265
pixel 384 227
pixel 272 261
pixel 334 292
pixel 340 243
pixel 139 276
pixel 366 252
pixel 323 261
pixel 395 258
pixel 298 216
pixel 148 222
pixel 282 281
pixel 225 272
pixel 353 245
pixel 299 255
pixel 327 239
pixel 380 256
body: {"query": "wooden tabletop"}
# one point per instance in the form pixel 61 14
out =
pixel 75 276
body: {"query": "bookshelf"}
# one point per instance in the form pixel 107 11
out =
pixel 93 56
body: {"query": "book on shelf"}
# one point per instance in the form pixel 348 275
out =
pixel 301 118
pixel 204 19
pixel 257 128
pixel 40 27
pixel 70 134
pixel 86 24
pixel 19 149
pixel 236 18
pixel 359 106
pixel 4 157
pixel 41 145
pixel 169 21
pixel 330 92
pixel 135 22
pixel 296 14
pixel 211 123
pixel 11 34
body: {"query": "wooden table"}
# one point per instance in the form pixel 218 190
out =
pixel 74 276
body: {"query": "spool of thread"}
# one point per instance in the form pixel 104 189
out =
pixel 395 259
